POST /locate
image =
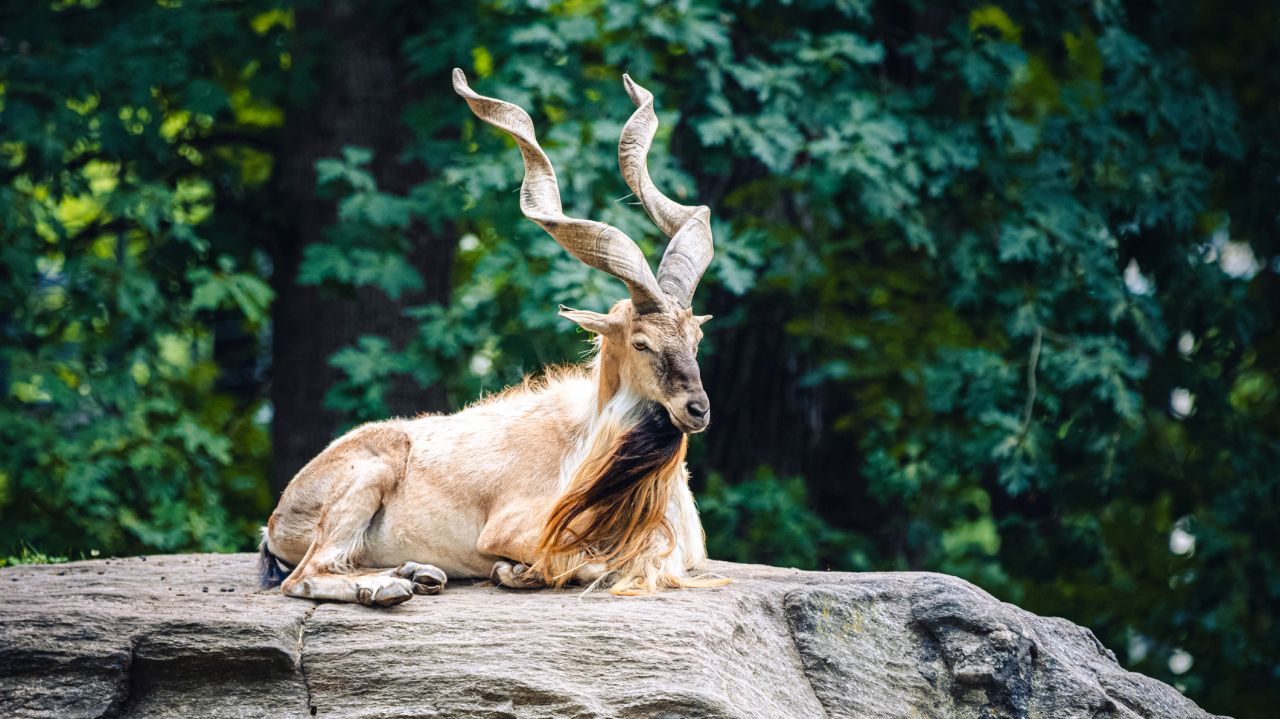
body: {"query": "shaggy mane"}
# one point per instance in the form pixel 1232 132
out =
pixel 616 504
pixel 541 381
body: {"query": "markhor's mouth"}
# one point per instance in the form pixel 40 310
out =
pixel 690 427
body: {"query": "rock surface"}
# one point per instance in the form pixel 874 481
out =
pixel 190 635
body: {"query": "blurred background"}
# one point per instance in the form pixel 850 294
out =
pixel 996 284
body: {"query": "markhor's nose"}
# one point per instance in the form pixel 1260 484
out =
pixel 697 407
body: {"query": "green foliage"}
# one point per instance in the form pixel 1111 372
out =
pixel 113 434
pixel 367 247
pixel 767 520
pixel 30 555
pixel 1020 258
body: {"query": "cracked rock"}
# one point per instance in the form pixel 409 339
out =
pixel 92 640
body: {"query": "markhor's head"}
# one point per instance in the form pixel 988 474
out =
pixel 657 357
pixel 653 336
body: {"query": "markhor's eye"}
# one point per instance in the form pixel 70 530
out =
pixel 640 346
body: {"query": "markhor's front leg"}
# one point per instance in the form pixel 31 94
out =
pixel 373 588
pixel 512 533
pixel 380 589
pixel 518 575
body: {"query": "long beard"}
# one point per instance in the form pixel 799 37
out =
pixel 615 506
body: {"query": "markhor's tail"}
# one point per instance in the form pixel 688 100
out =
pixel 271 571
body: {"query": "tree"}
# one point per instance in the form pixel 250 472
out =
pixel 355 96
pixel 125 127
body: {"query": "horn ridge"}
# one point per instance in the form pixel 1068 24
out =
pixel 689 227
pixel 595 243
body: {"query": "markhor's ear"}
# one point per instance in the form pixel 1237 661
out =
pixel 701 319
pixel 591 321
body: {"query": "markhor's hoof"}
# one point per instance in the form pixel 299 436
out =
pixel 386 595
pixel 515 576
pixel 426 578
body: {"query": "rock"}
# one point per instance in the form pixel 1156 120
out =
pixel 142 638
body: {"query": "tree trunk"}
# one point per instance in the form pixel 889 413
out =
pixel 362 96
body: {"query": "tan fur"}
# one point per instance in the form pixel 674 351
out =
pixel 474 491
